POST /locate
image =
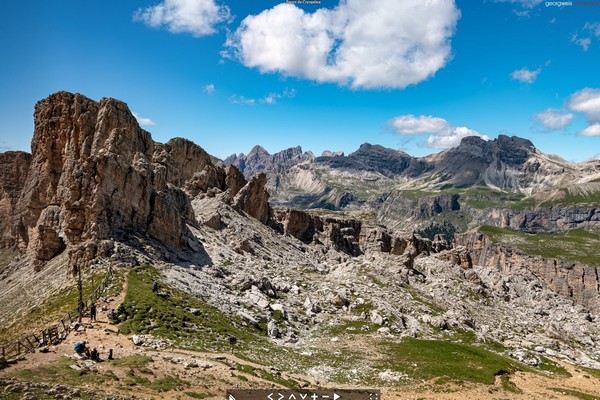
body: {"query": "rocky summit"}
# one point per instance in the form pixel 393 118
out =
pixel 468 269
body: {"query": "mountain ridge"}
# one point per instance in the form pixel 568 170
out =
pixel 98 189
pixel 474 161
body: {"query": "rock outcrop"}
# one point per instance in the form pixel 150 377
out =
pixel 354 237
pixel 542 219
pixel 573 280
pixel 14 167
pixel 234 180
pixel 95 175
pixel 253 199
pixel 92 177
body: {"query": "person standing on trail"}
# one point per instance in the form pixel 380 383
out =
pixel 155 287
pixel 93 312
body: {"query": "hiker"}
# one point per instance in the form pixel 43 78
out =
pixel 95 355
pixel 111 315
pixel 120 309
pixel 155 287
pixel 82 349
pixel 93 312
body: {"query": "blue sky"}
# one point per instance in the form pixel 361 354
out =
pixel 410 75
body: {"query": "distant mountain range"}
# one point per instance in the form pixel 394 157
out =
pixel 336 181
pixel 505 163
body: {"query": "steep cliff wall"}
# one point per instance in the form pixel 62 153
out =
pixel 95 176
pixel 14 167
pixel 354 237
pixel 549 219
pixel 574 280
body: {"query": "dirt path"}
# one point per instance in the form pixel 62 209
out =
pixel 138 370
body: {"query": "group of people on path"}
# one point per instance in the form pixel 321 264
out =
pixel 84 350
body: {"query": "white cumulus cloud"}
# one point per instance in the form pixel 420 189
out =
pixel 241 100
pixel 451 138
pixel 272 98
pixel 554 119
pixel 142 120
pixel 583 42
pixel 592 130
pixel 587 101
pixel 526 75
pixel 411 125
pixel 196 17
pixel 442 134
pixel 210 89
pixel 593 27
pixel 362 44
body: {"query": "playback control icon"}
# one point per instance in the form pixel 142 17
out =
pixel 319 394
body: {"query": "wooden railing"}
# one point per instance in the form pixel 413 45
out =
pixel 58 332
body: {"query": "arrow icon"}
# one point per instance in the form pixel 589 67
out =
pixel 270 396
pixel 336 396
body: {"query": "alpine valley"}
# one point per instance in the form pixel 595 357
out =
pixel 470 273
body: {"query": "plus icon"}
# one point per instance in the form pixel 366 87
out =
pixel 314 396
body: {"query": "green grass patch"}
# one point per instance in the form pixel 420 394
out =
pixel 352 327
pixel 508 385
pixel 428 359
pixel 575 393
pixel 416 194
pixel 195 395
pixel 168 317
pixel 135 361
pixel 61 372
pixel 590 198
pixel 56 306
pixel 483 197
pixel 167 383
pixel 574 245
pixel 458 219
pixel 593 372
pixel 552 368
pixel 278 316
pixel 435 308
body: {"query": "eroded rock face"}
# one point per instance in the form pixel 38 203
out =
pixel 184 164
pixel 14 166
pixel 354 238
pixel 301 225
pixel 234 180
pixel 92 177
pixel 574 280
pixel 253 199
pixel 95 176
pixel 541 219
